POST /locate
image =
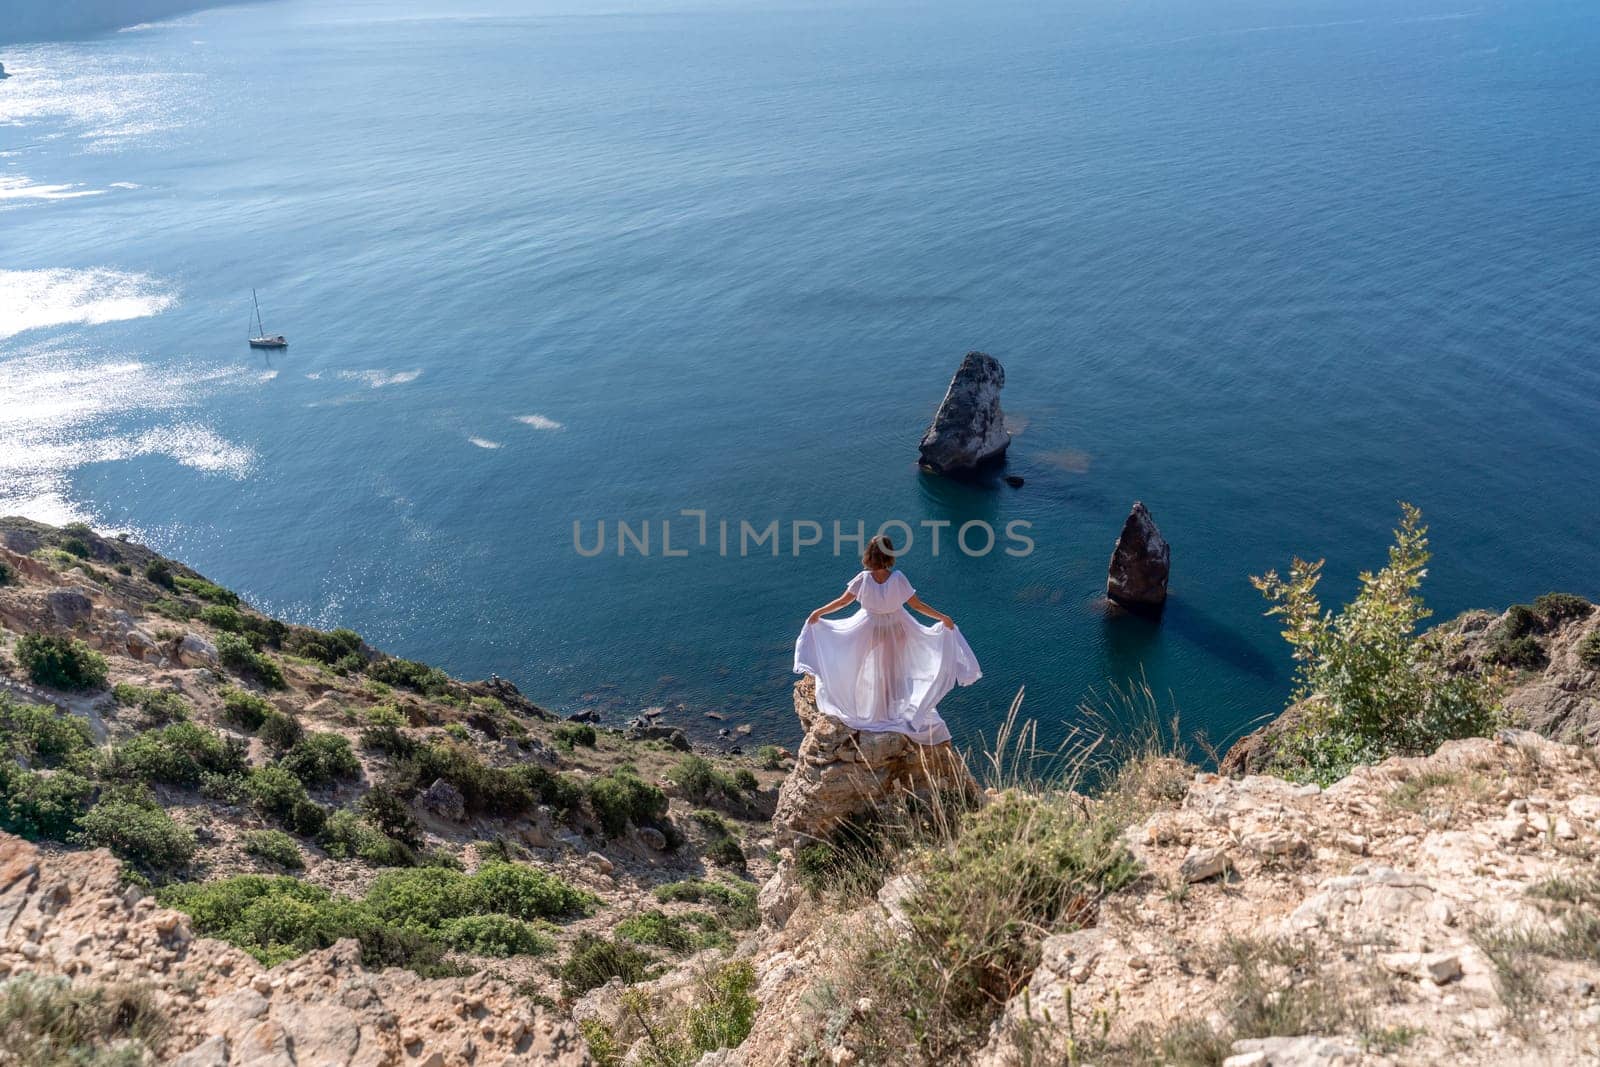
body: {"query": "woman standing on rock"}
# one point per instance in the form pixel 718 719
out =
pixel 880 669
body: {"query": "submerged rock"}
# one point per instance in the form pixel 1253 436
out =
pixel 969 429
pixel 1137 577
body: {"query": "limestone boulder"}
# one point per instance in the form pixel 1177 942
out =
pixel 840 772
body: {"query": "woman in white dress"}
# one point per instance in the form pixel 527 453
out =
pixel 880 669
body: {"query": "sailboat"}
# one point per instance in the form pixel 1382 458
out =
pixel 260 339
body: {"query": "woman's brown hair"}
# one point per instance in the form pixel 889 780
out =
pixel 879 555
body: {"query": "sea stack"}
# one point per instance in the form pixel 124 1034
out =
pixel 1137 578
pixel 969 430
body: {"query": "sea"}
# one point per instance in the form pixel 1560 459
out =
pixel 699 271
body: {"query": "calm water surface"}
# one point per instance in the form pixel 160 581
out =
pixel 1267 266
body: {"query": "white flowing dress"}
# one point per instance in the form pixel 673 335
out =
pixel 880 669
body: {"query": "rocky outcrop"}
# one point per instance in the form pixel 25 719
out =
pixel 65 914
pixel 1140 564
pixel 70 607
pixel 840 772
pixel 969 430
pixel 1387 885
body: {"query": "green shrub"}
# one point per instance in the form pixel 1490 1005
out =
pixel 389 739
pixel 222 617
pixel 8 573
pixel 160 706
pixel 525 892
pixel 735 901
pixel 124 570
pixel 207 591
pixel 274 846
pixel 594 961
pixel 387 809
pixel 245 710
pixel 320 759
pixel 725 852
pixel 39 806
pixel 486 790
pixel 135 828
pixel 702 782
pixel 76 546
pixel 569 734
pixel 1556 608
pixel 770 757
pixel 280 731
pixel 346 835
pixel 331 647
pixel 458 731
pixel 225 788
pixel 42 736
pixel 277 794
pixel 1523 653
pixel 61 662
pixel 238 655
pixel 1589 650
pixel 175 755
pixel 655 927
pixel 176 610
pixel 724 1009
pixel 55 1022
pixel 275 919
pixel 409 674
pixel 746 780
pixel 160 573
pixel 558 791
pixel 622 798
pixel 496 935
pixel 1372 687
pixel 426 898
pixel 421 899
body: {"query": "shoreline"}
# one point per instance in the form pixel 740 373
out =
pixel 43 22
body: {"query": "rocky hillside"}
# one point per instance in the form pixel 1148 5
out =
pixel 1424 910
pixel 258 843
pixel 305 797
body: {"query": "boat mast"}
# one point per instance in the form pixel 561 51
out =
pixel 261 331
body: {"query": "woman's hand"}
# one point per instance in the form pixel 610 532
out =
pixel 948 621
pixel 815 615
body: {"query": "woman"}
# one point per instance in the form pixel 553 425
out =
pixel 880 669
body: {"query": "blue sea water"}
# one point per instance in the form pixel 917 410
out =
pixel 1268 266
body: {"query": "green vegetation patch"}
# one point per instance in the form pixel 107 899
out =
pixel 274 846
pixel 240 656
pixel 178 754
pixel 135 828
pixel 622 798
pixel 1371 685
pixel 206 590
pixel 408 918
pixel 160 706
pixel 61 662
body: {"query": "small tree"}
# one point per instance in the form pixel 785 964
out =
pixel 1372 686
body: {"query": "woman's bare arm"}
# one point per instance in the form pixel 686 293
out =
pixel 842 601
pixel 916 604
